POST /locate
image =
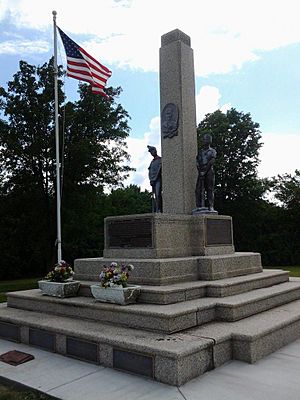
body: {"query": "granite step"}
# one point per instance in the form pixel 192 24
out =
pixel 175 293
pixel 166 271
pixel 162 318
pixel 252 338
pixel 173 359
pixel 165 358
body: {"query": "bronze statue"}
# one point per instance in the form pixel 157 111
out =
pixel 155 179
pixel 206 177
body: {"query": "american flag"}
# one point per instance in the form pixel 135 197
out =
pixel 82 66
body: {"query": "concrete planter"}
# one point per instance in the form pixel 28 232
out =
pixel 59 289
pixel 116 294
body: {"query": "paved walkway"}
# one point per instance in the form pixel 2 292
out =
pixel 276 377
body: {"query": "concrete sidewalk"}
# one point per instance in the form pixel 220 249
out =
pixel 276 377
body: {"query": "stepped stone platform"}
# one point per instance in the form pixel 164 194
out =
pixel 195 311
pixel 173 359
pixel 162 318
pixel 175 293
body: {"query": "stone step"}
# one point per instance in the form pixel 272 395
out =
pixel 173 359
pixel 165 358
pixel 178 292
pixel 234 308
pixel 162 318
pixel 166 271
pixel 252 338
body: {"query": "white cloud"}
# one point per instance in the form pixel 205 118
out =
pixel 279 154
pixel 225 34
pixel 208 101
pixel 24 47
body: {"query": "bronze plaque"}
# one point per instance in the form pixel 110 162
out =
pixel 218 232
pixel 82 349
pixel 9 331
pixel 43 339
pixel 137 363
pixel 130 233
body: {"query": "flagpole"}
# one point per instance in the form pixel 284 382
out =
pixel 58 194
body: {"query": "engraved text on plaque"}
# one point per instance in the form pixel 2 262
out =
pixel 218 232
pixel 130 233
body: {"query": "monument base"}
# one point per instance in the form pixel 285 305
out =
pixel 165 271
pixel 167 236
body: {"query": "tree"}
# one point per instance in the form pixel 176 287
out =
pixel 95 133
pixel 26 168
pixel 238 191
pixel 129 200
pixel 287 191
pixel 237 141
pixel 95 152
pixel 94 157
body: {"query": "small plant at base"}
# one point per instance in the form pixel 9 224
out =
pixel 115 275
pixel 61 272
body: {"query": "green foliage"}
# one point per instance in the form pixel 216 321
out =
pixel 129 200
pixel 88 240
pixel 95 133
pixel 19 284
pixel 259 225
pixel 237 141
pixel 239 192
pixel 95 157
pixel 287 191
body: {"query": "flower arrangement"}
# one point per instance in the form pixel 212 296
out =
pixel 115 275
pixel 61 272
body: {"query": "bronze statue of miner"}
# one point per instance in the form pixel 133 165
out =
pixel 155 179
pixel 206 176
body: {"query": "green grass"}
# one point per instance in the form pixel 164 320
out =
pixel 10 392
pixel 18 284
pixel 294 271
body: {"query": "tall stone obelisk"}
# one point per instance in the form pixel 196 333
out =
pixel 178 123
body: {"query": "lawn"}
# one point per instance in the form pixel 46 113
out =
pixel 16 392
pixel 18 284
pixel 294 271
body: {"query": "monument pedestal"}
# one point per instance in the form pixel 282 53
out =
pixel 167 248
pixel 167 236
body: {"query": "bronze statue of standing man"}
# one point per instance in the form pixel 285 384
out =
pixel 155 179
pixel 206 177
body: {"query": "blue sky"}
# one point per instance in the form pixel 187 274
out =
pixel 247 56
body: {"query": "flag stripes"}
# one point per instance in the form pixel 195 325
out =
pixel 84 67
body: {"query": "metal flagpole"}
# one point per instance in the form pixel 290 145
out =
pixel 58 206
